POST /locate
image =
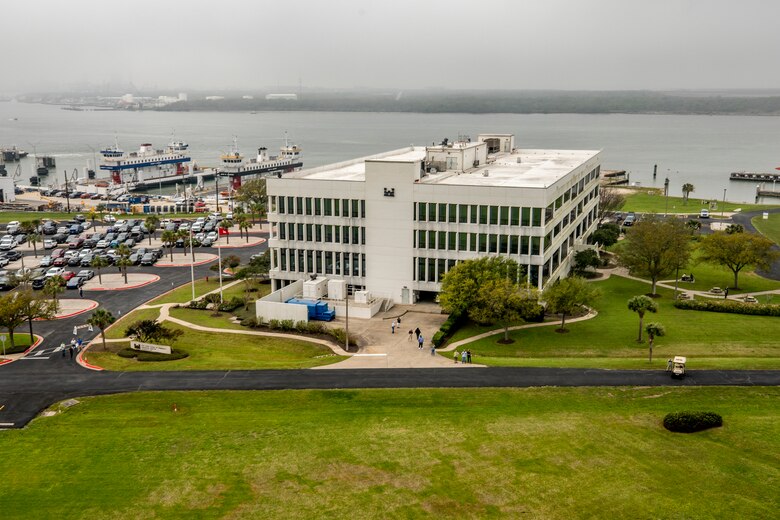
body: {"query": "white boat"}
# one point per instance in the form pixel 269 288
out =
pixel 236 168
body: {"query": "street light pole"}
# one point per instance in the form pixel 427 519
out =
pixel 666 194
pixel 723 207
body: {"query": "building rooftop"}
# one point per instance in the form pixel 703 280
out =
pixel 517 169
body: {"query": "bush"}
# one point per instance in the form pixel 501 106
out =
pixel 139 355
pixel 729 306
pixel 340 335
pixel 287 325
pixel 302 326
pixel 315 327
pixel 274 324
pixel 198 304
pixel 249 322
pixel 689 422
pixel 229 306
pixel 438 338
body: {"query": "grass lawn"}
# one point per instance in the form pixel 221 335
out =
pixel 710 340
pixel 117 330
pixel 213 351
pixel 710 275
pixel 654 202
pixel 770 228
pixel 183 293
pixel 436 453
pixel 21 341
pixel 205 319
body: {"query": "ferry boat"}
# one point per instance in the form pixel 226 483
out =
pixel 234 167
pixel 149 168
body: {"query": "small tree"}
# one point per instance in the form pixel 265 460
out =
pixel 738 251
pixel 460 286
pixel 53 287
pixel 151 331
pixel 654 330
pixel 35 309
pixel 687 188
pixel 226 225
pixel 735 228
pixel 169 240
pixel 152 223
pixel 693 226
pixel 503 302
pixel 585 259
pixel 606 234
pixel 641 305
pixel 123 260
pixel 610 201
pixel 184 236
pixel 567 296
pixel 253 193
pixel 101 319
pixel 98 263
pixel 13 313
pixel 243 226
pixel 34 239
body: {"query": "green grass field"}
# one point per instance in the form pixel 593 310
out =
pixel 647 201
pixel 21 341
pixel 215 351
pixel 708 339
pixel 770 228
pixel 710 275
pixel 183 293
pixel 435 453
pixel 204 318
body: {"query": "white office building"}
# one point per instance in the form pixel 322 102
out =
pixel 396 222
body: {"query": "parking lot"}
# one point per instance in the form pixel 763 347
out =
pixel 79 251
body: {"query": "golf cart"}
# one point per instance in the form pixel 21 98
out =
pixel 678 367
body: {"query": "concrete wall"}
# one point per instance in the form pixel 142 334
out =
pixel 285 293
pixel 267 311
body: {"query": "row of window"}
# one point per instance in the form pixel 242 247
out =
pixel 322 233
pixel 321 262
pixel 481 242
pixel 477 214
pixel 319 207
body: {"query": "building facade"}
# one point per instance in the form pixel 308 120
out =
pixel 395 223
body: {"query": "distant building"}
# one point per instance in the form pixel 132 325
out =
pixel 214 98
pixel 182 96
pixel 275 97
pixel 395 223
pixel 247 97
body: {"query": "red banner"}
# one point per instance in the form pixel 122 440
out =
pixel 224 231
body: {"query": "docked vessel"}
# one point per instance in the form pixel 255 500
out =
pixel 13 154
pixel 149 168
pixel 754 176
pixel 234 167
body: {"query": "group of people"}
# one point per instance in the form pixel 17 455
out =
pixel 73 349
pixel 465 356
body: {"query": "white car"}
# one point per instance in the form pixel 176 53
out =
pixel 705 213
pixel 55 271
pixel 49 243
pixel 7 243
pixel 229 215
pixel 108 219
pixel 12 227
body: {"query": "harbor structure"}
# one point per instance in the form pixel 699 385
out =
pixel 394 223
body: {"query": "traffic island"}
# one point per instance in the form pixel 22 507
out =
pixel 240 242
pixel 116 282
pixel 180 260
pixel 69 307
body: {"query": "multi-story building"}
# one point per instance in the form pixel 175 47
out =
pixel 396 222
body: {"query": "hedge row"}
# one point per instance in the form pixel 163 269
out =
pixel 228 306
pixel 689 422
pixel 152 356
pixel 303 327
pixel 729 306
pixel 446 330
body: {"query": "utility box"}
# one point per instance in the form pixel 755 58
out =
pixel 362 297
pixel 316 310
pixel 337 289
pixel 315 289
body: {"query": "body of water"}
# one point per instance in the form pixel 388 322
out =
pixel 701 150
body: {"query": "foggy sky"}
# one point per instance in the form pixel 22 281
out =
pixel 494 44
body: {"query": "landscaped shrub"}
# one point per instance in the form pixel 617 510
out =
pixel 175 354
pixel 287 325
pixel 689 422
pixel 340 336
pixel 232 304
pixel 315 327
pixel 249 322
pixel 274 324
pixel 302 326
pixel 198 304
pixel 729 306
pixel 438 338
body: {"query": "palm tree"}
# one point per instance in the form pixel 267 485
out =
pixel 654 330
pixel 185 238
pixel 152 223
pixel 169 240
pixel 123 261
pixel 92 214
pixel 226 225
pixel 101 319
pixel 243 225
pixel 34 238
pixel 99 262
pixel 687 188
pixel 641 305
pixel 53 287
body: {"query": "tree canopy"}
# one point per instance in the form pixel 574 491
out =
pixel 641 305
pixel 656 246
pixel 503 302
pixel 152 331
pixel 737 251
pixel 460 286
pixel 568 295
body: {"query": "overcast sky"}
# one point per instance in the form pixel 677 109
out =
pixel 495 44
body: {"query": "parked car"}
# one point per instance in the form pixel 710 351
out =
pixel 12 255
pixel 4 261
pixel 60 237
pixel 149 259
pixel 38 283
pixel 20 238
pixel 109 219
pixel 8 282
pixel 58 253
pixel 80 218
pixel 7 243
pixel 67 275
pixel 86 260
pixel 75 242
pixel 46 261
pixel 130 242
pixel 49 243
pixel 13 227
pixel 74 261
pixel 704 213
pixel 54 271
pixel 86 274
pixel 74 283
pixel 49 228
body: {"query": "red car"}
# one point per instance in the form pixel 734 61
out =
pixel 67 275
pixel 57 253
pixel 60 262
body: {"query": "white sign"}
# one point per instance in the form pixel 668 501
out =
pixel 150 347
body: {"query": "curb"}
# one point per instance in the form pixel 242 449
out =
pixel 65 316
pixel 37 342
pixel 202 262
pixel 250 244
pixel 156 279
pixel 81 360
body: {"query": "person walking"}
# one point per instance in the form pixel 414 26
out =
pixel 399 321
pixel 420 341
pixel 463 357
pixel 411 333
pixel 62 348
pixel 433 349
pixel 71 351
pixel 81 292
pixel 669 365
pixel 417 332
pixel 392 327
pixel 455 356
pixel 468 356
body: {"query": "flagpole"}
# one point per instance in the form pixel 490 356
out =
pixel 219 248
pixel 192 265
